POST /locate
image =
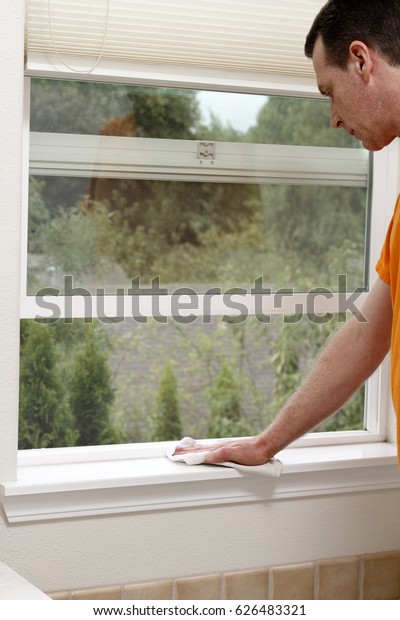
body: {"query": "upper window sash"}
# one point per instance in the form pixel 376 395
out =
pixel 189 160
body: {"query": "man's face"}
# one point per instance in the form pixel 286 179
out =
pixel 356 104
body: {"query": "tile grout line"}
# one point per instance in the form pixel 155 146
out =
pixel 270 584
pixel 316 581
pixel 223 587
pixel 360 578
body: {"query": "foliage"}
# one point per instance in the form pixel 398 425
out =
pixel 294 344
pixel 226 411
pixel 348 418
pixel 165 113
pixel 70 243
pixel 166 421
pixel 68 106
pixel 286 361
pixel 38 213
pixel 44 419
pixel 303 121
pixel 91 393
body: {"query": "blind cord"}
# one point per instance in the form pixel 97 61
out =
pixel 88 71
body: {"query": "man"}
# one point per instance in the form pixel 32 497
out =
pixel 355 49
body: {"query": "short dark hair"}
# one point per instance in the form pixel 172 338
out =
pixel 374 22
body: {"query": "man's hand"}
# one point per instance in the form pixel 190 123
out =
pixel 250 451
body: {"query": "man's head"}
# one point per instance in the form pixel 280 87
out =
pixel 339 22
pixel 355 48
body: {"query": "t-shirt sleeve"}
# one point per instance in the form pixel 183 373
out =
pixel 383 264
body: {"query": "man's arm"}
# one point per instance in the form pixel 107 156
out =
pixel 349 358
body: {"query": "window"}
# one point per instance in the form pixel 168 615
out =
pixel 109 479
pixel 161 222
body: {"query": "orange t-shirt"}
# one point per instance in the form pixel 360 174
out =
pixel 388 268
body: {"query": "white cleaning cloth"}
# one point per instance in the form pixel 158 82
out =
pixel 273 468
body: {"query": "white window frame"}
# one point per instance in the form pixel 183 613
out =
pixel 73 482
pixel 62 154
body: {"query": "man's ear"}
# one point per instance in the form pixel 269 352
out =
pixel 360 59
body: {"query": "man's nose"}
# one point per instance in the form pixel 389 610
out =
pixel 336 120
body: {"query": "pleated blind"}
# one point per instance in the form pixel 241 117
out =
pixel 252 36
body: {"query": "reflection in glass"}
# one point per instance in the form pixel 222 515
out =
pixel 59 106
pixel 106 232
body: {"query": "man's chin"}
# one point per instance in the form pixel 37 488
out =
pixel 370 145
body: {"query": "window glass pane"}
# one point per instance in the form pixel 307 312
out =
pixel 96 383
pixel 98 231
pixel 68 106
pixel 106 232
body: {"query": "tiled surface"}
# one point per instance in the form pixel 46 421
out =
pixel 156 591
pixel 60 596
pixel 338 579
pixel 372 576
pixel 247 585
pixel 381 578
pixel 293 582
pixel 199 588
pixel 98 594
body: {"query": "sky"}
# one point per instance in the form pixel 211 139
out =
pixel 236 109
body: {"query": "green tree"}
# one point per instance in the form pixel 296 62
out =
pixel 166 422
pixel 44 418
pixel 349 417
pixel 285 120
pixel 313 232
pixel 70 242
pixel 226 409
pixel 286 359
pixel 298 340
pixel 165 113
pixel 91 393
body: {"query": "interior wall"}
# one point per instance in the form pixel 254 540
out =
pixel 87 552
pixel 11 106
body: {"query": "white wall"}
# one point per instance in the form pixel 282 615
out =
pixel 11 84
pixel 128 548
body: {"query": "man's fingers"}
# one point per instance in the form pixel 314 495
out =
pixel 243 454
pixel 197 448
pixel 219 455
pixel 185 450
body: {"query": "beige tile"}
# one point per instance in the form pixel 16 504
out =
pixel 247 585
pixel 293 582
pixel 152 591
pixel 192 588
pixel 381 576
pixel 98 594
pixel 338 579
pixel 60 596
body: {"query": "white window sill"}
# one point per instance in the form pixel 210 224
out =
pixel 48 489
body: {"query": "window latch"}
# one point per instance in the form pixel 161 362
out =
pixel 206 150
